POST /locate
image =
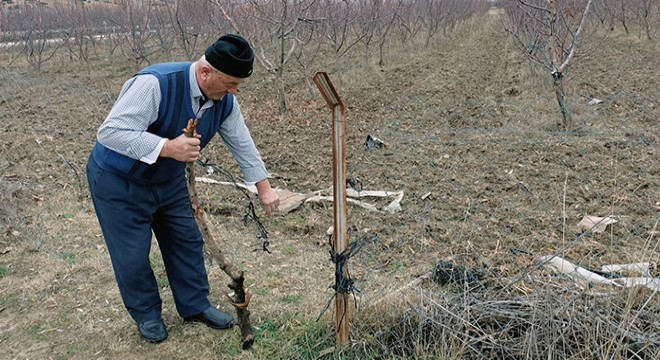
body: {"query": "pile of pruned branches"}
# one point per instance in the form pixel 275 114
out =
pixel 471 315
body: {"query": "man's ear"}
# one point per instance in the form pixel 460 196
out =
pixel 206 70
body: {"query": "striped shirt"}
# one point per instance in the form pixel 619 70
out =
pixel 125 128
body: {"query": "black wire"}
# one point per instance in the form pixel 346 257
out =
pixel 250 213
pixel 343 282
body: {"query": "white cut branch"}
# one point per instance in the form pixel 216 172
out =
pixel 290 200
pixel 581 274
pixel 576 38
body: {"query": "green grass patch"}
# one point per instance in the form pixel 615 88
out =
pixel 10 298
pixel 156 261
pixel 394 266
pixel 261 291
pixel 295 223
pixel 291 339
pixel 294 338
pixel 4 271
pixel 68 256
pixel 265 329
pixel 291 298
pixel 272 274
pixel 36 331
pixel 289 250
pixel 298 219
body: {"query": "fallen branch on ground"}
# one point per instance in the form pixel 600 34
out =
pixel 290 201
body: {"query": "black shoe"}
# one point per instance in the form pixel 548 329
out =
pixel 213 318
pixel 153 331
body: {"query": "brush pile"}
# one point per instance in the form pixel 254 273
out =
pixel 541 315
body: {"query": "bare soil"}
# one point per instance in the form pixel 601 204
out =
pixel 471 138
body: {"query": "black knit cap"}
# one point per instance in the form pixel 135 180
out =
pixel 232 55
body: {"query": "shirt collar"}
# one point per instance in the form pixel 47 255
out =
pixel 195 92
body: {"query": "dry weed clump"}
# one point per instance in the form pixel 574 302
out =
pixel 543 317
pixel 15 197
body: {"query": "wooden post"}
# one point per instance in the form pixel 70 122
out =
pixel 339 186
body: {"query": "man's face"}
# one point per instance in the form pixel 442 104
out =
pixel 216 84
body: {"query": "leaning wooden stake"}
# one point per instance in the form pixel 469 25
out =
pixel 339 187
pixel 241 296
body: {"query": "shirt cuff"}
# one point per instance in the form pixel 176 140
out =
pixel 151 157
pixel 253 175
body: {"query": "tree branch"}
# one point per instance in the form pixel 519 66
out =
pixel 241 296
pixel 576 38
pixel 533 6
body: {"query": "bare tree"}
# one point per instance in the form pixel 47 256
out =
pixel 620 12
pixel 164 33
pixel 186 19
pixel 336 31
pixel 411 22
pixel 437 12
pixel 644 10
pixel 134 35
pixel 388 19
pixel 9 22
pixel 369 17
pixel 75 30
pixel 38 34
pixel 271 29
pixel 308 51
pixel 554 27
pixel 602 11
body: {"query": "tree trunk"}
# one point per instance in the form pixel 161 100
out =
pixel 281 95
pixel 558 85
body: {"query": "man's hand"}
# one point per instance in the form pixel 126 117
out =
pixel 182 148
pixel 268 197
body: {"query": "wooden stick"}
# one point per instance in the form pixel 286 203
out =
pixel 241 296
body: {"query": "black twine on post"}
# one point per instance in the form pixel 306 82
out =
pixel 343 282
pixel 250 214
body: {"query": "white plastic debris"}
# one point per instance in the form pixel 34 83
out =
pixel 651 283
pixel 639 268
pixel 595 224
pixel 594 101
pixel 581 274
pixel 574 271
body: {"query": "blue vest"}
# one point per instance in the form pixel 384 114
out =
pixel 173 114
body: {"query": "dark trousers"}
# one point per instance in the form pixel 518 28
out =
pixel 128 212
